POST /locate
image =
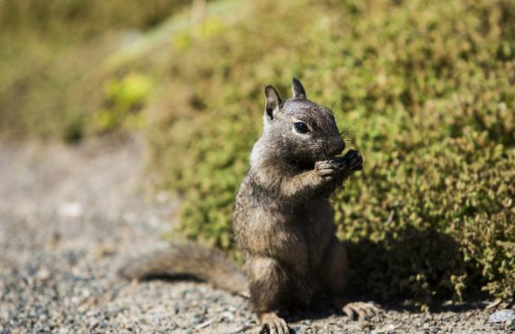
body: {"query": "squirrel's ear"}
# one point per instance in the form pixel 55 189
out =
pixel 273 102
pixel 297 89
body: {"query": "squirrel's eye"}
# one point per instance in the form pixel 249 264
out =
pixel 301 127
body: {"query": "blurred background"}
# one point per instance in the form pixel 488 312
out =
pixel 424 89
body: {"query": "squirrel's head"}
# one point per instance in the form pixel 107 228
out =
pixel 299 130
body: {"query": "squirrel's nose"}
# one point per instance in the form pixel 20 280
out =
pixel 338 145
pixel 341 147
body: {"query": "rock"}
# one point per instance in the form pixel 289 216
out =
pixel 386 329
pixel 502 316
pixel 70 209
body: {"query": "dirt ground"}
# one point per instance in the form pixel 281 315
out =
pixel 70 216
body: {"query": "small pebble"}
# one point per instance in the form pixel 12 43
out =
pixel 502 316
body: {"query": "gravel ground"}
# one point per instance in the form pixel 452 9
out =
pixel 70 215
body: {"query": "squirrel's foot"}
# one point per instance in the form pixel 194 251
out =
pixel 360 310
pixel 357 310
pixel 271 323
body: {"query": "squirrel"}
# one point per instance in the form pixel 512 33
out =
pixel 283 219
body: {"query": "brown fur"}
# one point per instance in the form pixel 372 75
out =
pixel 192 260
pixel 283 219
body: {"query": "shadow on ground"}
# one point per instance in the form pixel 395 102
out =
pixel 391 260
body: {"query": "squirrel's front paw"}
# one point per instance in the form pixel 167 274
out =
pixel 350 163
pixel 326 170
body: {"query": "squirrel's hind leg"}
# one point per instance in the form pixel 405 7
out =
pixel 269 285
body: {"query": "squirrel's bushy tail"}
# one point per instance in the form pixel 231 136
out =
pixel 206 264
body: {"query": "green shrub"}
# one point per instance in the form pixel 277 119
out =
pixel 73 20
pixel 123 97
pixel 425 90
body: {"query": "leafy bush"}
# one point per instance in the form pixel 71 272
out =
pixel 72 19
pixel 425 90
pixel 122 97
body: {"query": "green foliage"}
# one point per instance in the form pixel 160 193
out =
pixel 425 90
pixel 123 97
pixel 72 19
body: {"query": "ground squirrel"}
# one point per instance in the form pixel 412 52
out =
pixel 283 219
